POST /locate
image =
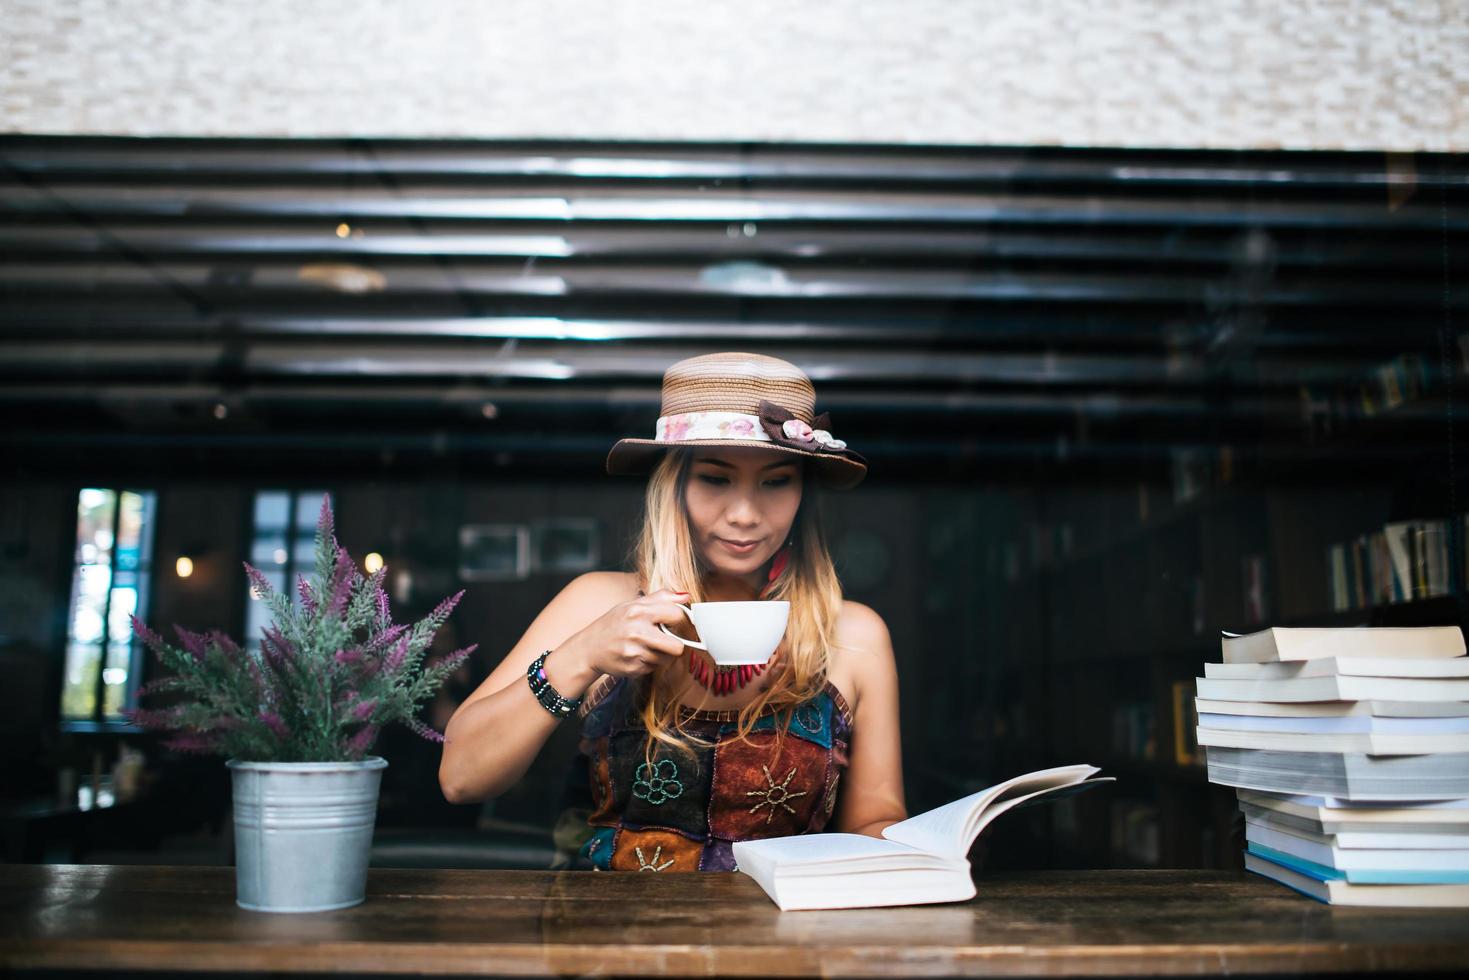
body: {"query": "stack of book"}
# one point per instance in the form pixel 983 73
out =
pixel 1349 752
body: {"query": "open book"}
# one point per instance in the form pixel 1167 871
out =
pixel 920 860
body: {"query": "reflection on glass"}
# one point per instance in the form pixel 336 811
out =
pixel 120 611
pixel 105 797
pixel 79 685
pixel 272 507
pixel 94 525
pixel 263 550
pixel 89 599
pixel 134 516
pixel 109 586
pixel 142 603
pixel 115 675
pixel 305 556
pixel 257 613
pixel 308 509
pixel 283 545
pixel 303 549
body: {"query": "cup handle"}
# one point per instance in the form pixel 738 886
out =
pixel 692 643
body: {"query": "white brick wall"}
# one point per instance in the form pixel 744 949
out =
pixel 1360 74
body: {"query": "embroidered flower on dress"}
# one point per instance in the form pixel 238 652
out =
pixel 655 787
pixel 776 794
pixel 645 864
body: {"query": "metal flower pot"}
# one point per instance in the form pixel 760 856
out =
pixel 303 832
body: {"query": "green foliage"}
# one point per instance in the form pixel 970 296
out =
pixel 331 672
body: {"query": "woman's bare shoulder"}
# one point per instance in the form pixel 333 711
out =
pixel 604 588
pixel 862 655
pixel 859 625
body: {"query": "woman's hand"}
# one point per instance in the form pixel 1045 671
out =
pixel 626 641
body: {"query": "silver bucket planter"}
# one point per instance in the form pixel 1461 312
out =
pixel 303 832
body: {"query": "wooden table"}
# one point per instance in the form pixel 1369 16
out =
pixel 1083 923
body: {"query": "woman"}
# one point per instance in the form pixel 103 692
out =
pixel 683 757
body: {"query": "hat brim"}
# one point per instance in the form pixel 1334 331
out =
pixel 839 472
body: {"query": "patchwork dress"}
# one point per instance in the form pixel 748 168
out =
pixel 684 811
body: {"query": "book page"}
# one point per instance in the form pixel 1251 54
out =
pixel 949 830
pixel 819 848
pixel 882 888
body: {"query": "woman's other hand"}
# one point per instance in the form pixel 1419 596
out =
pixel 590 629
pixel 625 641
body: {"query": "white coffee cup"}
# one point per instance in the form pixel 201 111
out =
pixel 737 632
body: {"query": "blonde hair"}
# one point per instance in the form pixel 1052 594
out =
pixel 664 556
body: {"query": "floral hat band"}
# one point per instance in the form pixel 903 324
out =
pixel 773 424
pixel 735 398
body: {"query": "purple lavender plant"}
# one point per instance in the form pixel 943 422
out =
pixel 330 674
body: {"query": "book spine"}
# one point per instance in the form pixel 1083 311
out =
pixel 1463 539
pixel 1420 571
pixel 1335 570
pixel 1185 726
pixel 1381 569
pixel 1359 575
pixel 1396 535
pixel 1438 565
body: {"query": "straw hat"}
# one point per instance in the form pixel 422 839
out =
pixel 737 399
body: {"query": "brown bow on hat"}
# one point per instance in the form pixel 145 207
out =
pixel 738 399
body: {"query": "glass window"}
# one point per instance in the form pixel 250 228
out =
pixel 281 516
pixel 113 562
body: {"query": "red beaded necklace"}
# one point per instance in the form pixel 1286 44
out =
pixel 724 680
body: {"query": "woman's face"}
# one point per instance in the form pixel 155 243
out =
pixel 737 495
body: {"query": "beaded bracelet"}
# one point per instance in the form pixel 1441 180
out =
pixel 547 695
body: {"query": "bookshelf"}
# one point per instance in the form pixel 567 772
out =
pixel 1089 607
pixel 1085 596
